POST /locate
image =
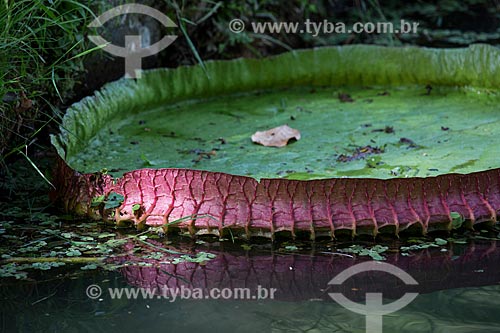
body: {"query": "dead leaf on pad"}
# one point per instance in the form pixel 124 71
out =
pixel 276 137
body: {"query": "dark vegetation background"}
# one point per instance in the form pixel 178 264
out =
pixel 47 63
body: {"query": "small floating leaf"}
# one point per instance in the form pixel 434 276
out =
pixel 106 235
pixel 114 200
pixel 440 241
pixel 41 266
pixel 374 252
pixel 376 256
pixel 457 220
pixel 115 242
pixel 73 253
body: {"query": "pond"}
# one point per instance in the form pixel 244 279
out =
pixel 435 117
pixel 457 285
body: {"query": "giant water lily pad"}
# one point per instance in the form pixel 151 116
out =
pixel 178 144
pixel 417 134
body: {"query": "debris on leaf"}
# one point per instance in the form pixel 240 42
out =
pixel 360 153
pixel 386 129
pixel 374 161
pixel 203 155
pixel 409 142
pixel 276 137
pixel 401 171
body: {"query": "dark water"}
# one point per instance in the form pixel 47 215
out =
pixel 458 292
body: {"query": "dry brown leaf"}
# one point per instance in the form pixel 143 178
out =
pixel 276 137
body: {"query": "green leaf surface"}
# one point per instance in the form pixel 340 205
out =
pixel 411 112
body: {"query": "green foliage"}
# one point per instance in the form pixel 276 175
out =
pixel 423 244
pixel 200 257
pixel 205 32
pixel 72 252
pixel 37 41
pixel 375 252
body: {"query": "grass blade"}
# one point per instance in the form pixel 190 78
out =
pixel 36 168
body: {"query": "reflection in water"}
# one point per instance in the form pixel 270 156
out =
pixel 459 292
pixel 301 277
